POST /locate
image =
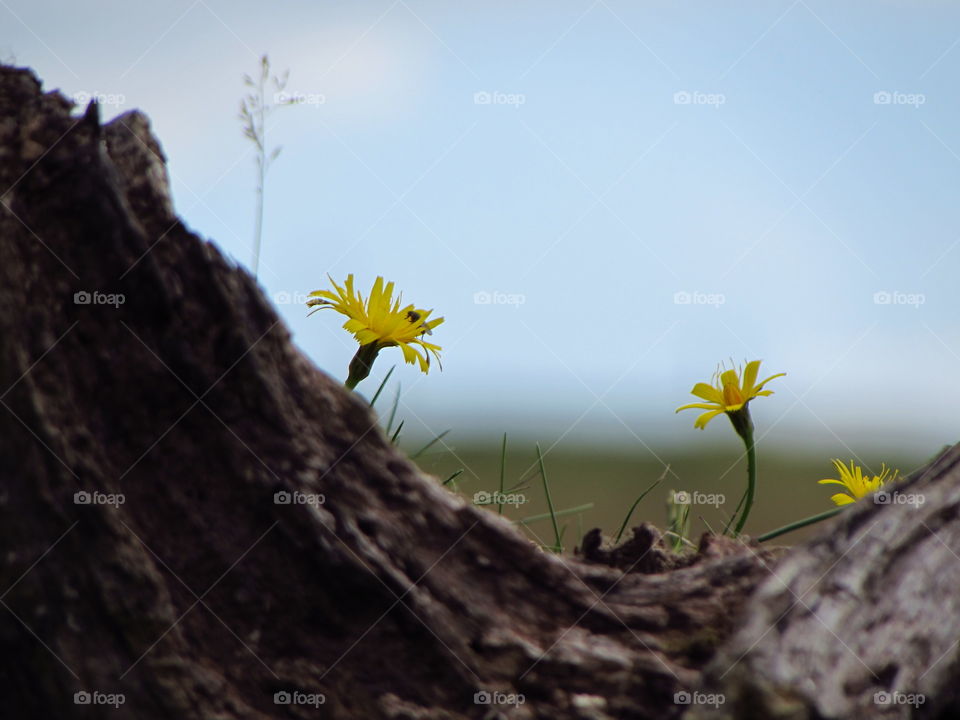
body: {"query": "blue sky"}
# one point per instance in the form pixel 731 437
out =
pixel 641 190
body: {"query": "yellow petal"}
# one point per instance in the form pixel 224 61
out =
pixel 698 406
pixel 409 354
pixel 708 393
pixel 701 422
pixel 772 377
pixel 750 376
pixel 729 377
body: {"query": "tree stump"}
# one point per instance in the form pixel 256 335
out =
pixel 198 523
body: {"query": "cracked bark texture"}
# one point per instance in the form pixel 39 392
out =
pixel 860 622
pixel 202 597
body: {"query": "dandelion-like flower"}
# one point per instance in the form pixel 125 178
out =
pixel 378 322
pixel 856 484
pixel 729 393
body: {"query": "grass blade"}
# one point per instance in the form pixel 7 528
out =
pixel 560 513
pixel 397 433
pixel 383 384
pixel 430 444
pixel 393 410
pixel 735 513
pixel 503 467
pixel 637 502
pixel 546 490
pixel 453 477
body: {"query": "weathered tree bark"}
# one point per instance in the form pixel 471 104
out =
pixel 201 596
pixel 863 622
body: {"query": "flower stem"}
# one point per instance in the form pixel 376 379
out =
pixel 747 435
pixel 361 364
pixel 800 524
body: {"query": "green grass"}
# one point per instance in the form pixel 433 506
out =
pixel 601 484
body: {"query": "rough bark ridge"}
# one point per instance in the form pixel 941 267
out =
pixel 202 597
pixel 863 622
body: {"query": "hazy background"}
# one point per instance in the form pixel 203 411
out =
pixel 789 169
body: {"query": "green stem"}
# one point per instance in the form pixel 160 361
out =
pixel 361 364
pixel 747 435
pixel 800 524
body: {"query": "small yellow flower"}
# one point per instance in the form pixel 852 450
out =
pixel 729 393
pixel 378 322
pixel 856 484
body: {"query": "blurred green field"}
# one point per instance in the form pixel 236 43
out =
pixel 612 478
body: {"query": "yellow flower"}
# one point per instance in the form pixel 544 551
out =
pixel 729 393
pixel 856 484
pixel 378 322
